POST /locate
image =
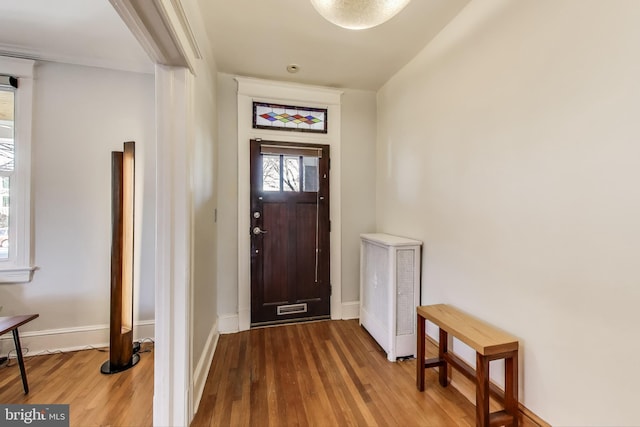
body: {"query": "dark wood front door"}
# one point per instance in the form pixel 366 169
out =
pixel 289 232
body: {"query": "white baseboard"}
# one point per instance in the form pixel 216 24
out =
pixel 244 319
pixel 204 364
pixel 228 323
pixel 70 339
pixel 350 310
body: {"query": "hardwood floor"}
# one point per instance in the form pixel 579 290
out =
pixel 329 373
pixel 123 399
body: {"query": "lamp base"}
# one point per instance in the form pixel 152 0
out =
pixel 107 369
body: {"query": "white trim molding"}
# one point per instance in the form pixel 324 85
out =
pixel 134 66
pixel 203 366
pixel 162 29
pixel 71 339
pixel 228 323
pixel 350 310
pixel 249 90
pixel 18 267
pixel 172 378
pixel 16 275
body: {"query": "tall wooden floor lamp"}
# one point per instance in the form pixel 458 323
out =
pixel 121 354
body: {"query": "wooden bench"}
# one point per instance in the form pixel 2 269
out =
pixel 488 342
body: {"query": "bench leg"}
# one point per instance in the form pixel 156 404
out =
pixel 420 353
pixel 511 387
pixel 23 373
pixel 443 348
pixel 482 390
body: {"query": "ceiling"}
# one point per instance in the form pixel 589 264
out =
pixel 87 32
pixel 257 38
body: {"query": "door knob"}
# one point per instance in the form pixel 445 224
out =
pixel 257 230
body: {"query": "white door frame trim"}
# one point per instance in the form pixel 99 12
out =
pixel 172 373
pixel 250 90
pixel 163 30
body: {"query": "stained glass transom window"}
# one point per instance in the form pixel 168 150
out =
pixel 287 117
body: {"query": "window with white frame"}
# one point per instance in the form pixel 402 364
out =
pixel 16 98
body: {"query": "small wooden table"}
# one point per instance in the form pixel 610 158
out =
pixel 488 342
pixel 12 323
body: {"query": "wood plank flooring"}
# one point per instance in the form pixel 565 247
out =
pixel 329 373
pixel 123 399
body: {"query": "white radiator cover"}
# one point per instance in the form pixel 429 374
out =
pixel 390 291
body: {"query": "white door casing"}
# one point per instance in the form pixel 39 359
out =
pixel 249 90
pixel 163 30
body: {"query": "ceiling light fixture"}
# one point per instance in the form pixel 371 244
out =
pixel 358 14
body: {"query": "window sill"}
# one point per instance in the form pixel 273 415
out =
pixel 17 274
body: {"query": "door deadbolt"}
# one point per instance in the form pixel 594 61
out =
pixel 256 215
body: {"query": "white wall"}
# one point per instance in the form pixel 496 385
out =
pixel 204 161
pixel 204 204
pixel 81 114
pixel 357 192
pixel 358 185
pixel 228 195
pixel 509 145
